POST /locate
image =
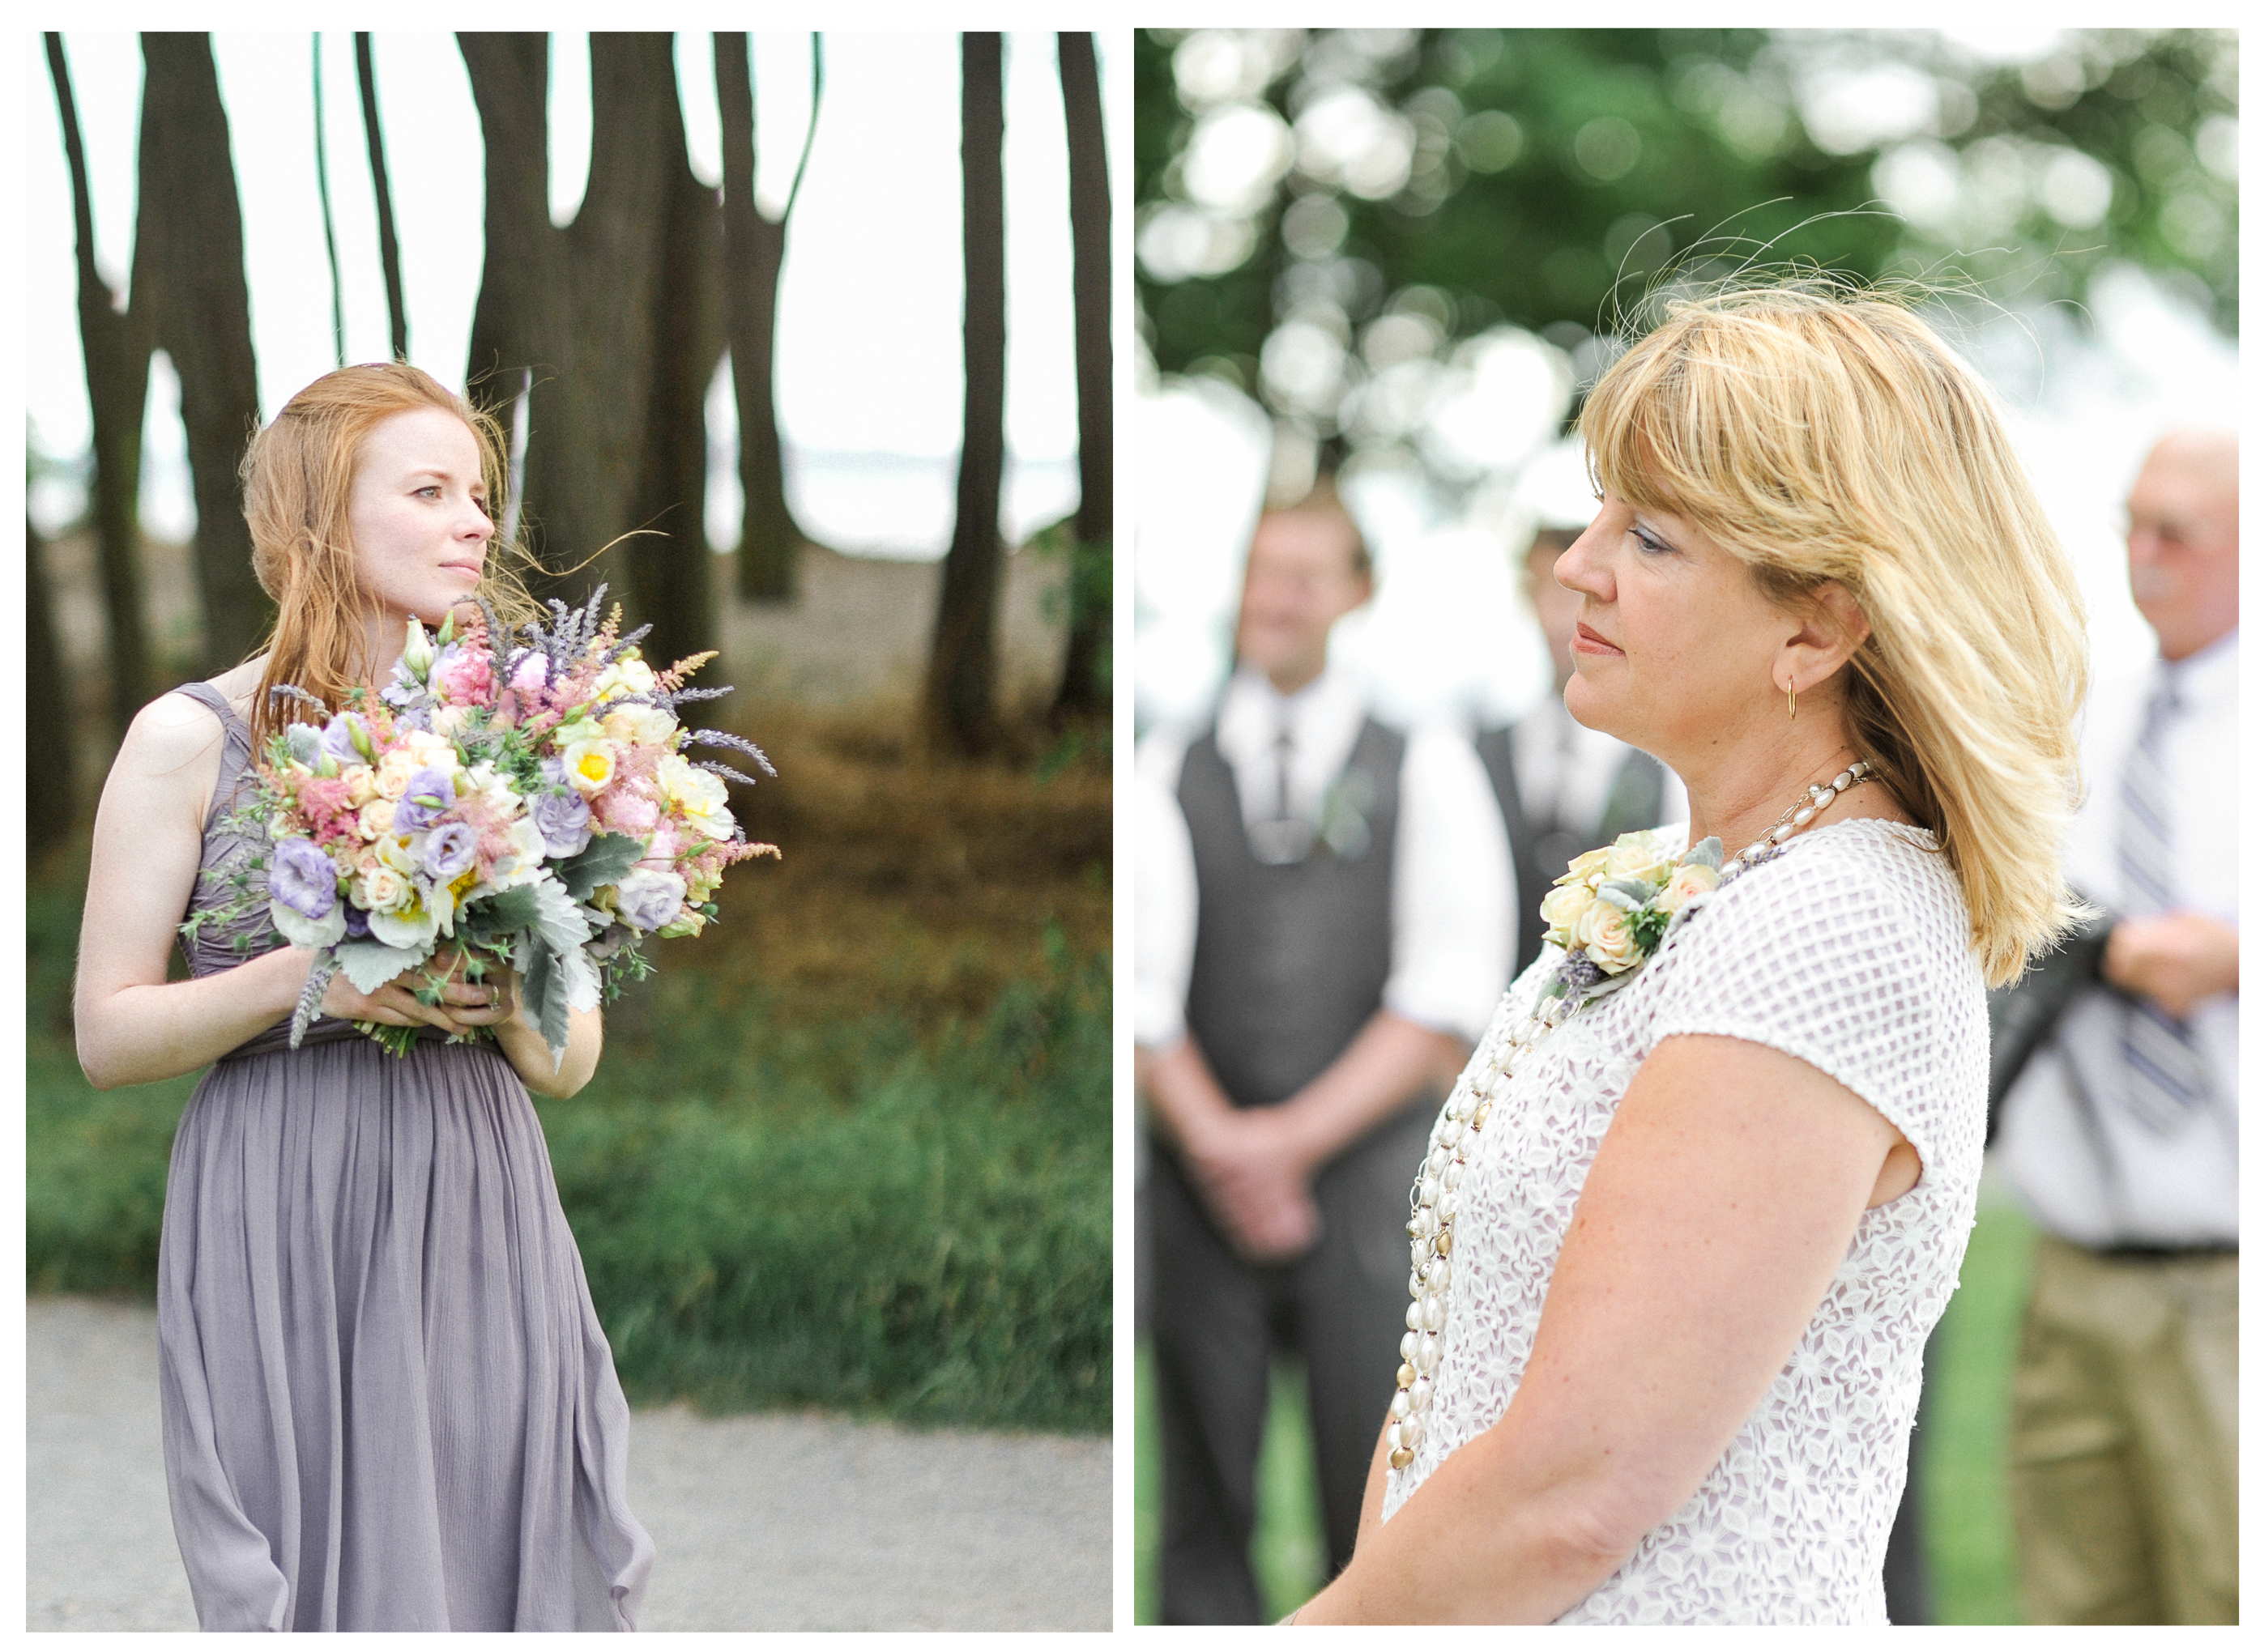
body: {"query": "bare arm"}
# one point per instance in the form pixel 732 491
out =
pixel 1719 1208
pixel 133 1027
pixel 1253 1166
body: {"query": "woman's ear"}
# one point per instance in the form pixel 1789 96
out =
pixel 1833 629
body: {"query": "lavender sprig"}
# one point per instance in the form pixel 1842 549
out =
pixel 735 742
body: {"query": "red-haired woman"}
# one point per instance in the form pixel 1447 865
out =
pixel 388 1403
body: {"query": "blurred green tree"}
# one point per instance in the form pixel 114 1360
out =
pixel 1543 177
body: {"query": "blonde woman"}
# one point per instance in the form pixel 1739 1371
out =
pixel 387 1401
pixel 1683 1230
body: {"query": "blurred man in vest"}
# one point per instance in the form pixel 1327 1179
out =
pixel 2120 1134
pixel 1563 788
pixel 1322 912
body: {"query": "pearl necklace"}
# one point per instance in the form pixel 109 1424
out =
pixel 1436 1188
pixel 1798 816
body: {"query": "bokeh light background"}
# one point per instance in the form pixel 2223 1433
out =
pixel 2082 186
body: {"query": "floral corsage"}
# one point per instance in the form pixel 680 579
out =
pixel 1612 909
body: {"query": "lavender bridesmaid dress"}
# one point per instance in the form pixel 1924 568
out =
pixel 388 1403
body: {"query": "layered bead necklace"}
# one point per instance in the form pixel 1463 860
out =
pixel 1436 1188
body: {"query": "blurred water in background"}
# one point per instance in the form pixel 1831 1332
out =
pixel 1449 635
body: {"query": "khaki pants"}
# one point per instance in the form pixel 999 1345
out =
pixel 2122 1439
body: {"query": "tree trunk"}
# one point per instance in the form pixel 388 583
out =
pixel 522 318
pixel 50 789
pixel 189 249
pixel 117 355
pixel 673 574
pixel 387 240
pixel 768 567
pixel 1085 682
pixel 960 691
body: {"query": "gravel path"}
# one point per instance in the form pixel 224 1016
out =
pixel 775 1521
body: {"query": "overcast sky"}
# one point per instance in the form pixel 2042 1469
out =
pixel 868 354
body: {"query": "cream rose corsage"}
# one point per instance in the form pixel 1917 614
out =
pixel 1611 910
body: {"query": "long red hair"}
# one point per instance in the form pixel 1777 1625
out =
pixel 297 482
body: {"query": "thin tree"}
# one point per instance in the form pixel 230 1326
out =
pixel 387 240
pixel 115 346
pixel 187 266
pixel 960 687
pixel 754 259
pixel 1085 679
pixel 50 797
pixel 329 224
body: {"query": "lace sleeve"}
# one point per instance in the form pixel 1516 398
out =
pixel 1851 952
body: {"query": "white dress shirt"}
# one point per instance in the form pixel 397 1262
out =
pixel 1564 771
pixel 2116 1180
pixel 1451 902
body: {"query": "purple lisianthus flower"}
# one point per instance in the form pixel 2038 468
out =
pixel 356 922
pixel 651 900
pixel 562 820
pixel 338 739
pixel 449 852
pixel 431 793
pixel 303 877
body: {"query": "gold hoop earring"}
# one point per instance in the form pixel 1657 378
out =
pixel 1792 699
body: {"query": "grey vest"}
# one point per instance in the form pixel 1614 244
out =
pixel 1290 960
pixel 1542 847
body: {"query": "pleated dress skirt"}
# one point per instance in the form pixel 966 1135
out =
pixel 388 1403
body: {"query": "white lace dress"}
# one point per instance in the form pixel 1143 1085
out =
pixel 1851 951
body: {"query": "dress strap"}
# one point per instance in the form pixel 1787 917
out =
pixel 235 749
pixel 204 694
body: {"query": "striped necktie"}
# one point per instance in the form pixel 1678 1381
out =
pixel 2165 1074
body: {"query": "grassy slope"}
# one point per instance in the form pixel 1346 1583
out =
pixel 850 1149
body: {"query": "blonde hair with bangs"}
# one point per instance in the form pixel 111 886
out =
pixel 1820 433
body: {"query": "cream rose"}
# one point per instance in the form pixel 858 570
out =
pixel 1563 907
pixel 1584 867
pixel 376 818
pixel 392 774
pixel 361 784
pixel 1687 882
pixel 1606 933
pixel 638 725
pixel 381 889
pixel 629 675
pixel 1636 857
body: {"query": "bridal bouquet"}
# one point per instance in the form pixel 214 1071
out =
pixel 525 800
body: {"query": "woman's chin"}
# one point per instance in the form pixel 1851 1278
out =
pixel 1585 703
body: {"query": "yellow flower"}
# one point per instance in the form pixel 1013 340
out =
pixel 589 765
pixel 698 792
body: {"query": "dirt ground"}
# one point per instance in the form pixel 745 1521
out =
pixel 778 1521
